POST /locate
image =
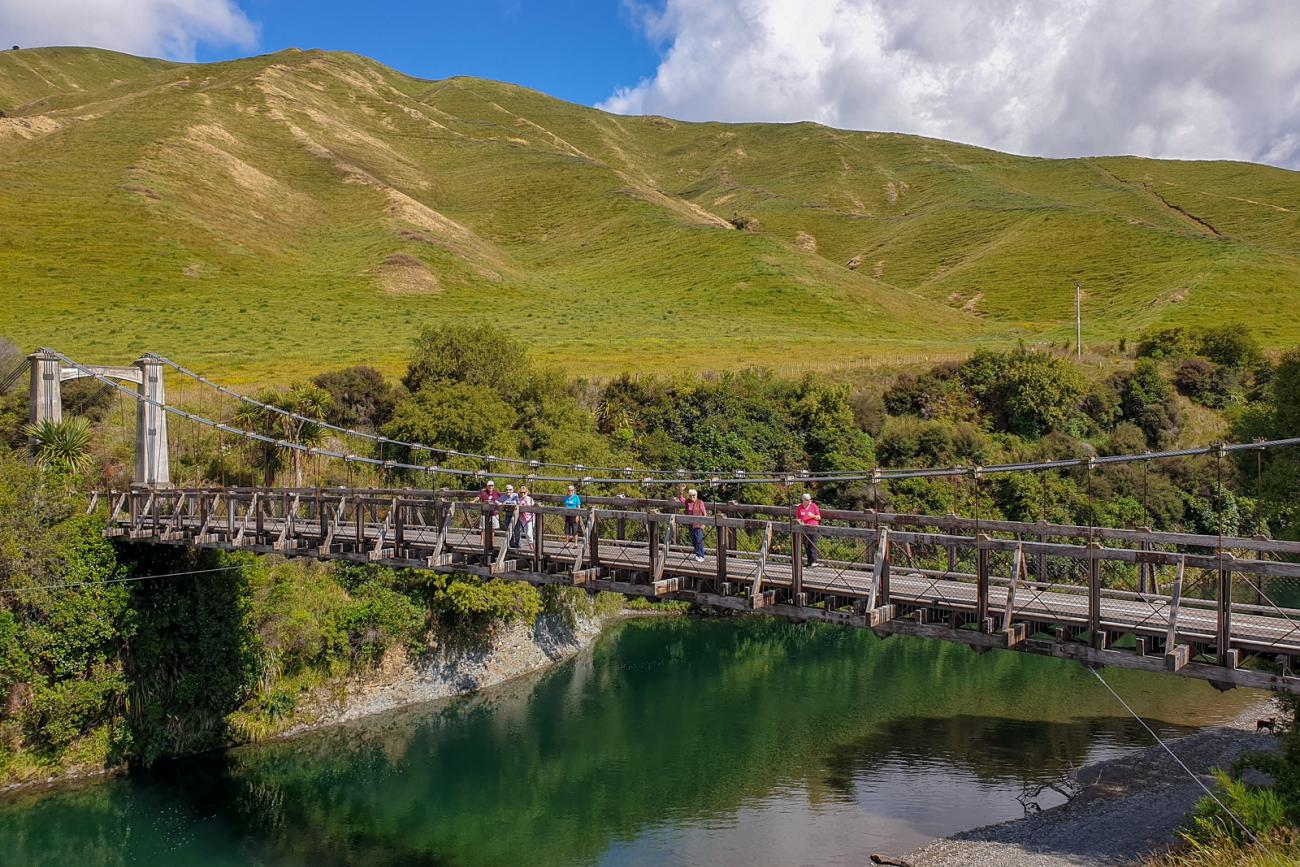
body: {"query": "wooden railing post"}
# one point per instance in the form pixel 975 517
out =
pixel 796 562
pixel 1176 655
pixel 1260 596
pixel 360 506
pixel 1094 596
pixel 259 538
pixel 539 541
pixel 1223 634
pixel 981 582
pixel 721 558
pixel 882 551
pixel 651 547
pixel 593 542
pixel 399 528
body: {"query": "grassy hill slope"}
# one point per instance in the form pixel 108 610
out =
pixel 304 209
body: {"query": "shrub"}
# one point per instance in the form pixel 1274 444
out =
pixel 360 397
pixel 478 355
pixel 937 393
pixel 471 606
pixel 453 415
pixel 1230 345
pixel 1260 810
pixel 63 446
pixel 1203 381
pixel 1166 342
pixel 1023 392
pixel 1146 400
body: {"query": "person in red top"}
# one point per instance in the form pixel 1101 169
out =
pixel 695 506
pixel 810 516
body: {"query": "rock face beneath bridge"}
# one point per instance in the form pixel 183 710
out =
pixel 449 671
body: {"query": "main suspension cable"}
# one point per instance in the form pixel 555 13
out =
pixel 715 480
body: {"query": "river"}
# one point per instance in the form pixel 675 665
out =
pixel 672 741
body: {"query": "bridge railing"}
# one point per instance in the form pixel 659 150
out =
pixel 1097 581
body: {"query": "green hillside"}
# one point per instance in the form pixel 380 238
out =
pixel 305 209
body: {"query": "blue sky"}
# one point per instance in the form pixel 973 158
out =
pixel 1088 77
pixel 579 50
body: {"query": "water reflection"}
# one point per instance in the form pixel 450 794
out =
pixel 671 742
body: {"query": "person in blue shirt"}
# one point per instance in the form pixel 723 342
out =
pixel 571 501
pixel 510 498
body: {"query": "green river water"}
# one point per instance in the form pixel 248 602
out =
pixel 672 741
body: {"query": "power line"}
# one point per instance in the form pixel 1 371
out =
pixel 35 587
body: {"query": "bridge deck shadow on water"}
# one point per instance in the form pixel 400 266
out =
pixel 1191 605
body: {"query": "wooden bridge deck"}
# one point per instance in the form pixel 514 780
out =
pixel 1048 589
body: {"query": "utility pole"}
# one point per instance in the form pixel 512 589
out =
pixel 1078 321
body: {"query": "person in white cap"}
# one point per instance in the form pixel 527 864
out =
pixel 489 496
pixel 695 506
pixel 811 517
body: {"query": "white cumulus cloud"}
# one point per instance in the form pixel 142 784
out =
pixel 158 28
pixel 1203 79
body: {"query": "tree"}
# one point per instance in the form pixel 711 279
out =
pixel 61 445
pixel 1172 341
pixel 479 355
pixel 1230 345
pixel 1023 392
pixel 1286 395
pixel 302 398
pixel 456 416
pixel 361 397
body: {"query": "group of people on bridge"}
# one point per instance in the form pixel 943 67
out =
pixel 807 513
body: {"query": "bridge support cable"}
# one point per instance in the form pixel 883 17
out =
pixel 714 478
pixel 10 379
pixel 1195 778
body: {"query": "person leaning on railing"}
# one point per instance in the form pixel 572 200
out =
pixel 810 516
pixel 489 496
pixel 695 506
pixel 510 498
pixel 526 518
pixel 574 502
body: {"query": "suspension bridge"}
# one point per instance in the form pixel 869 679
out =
pixel 1214 607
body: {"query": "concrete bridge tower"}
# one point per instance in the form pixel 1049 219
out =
pixel 152 465
pixel 152 459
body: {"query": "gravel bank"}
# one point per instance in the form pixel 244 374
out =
pixel 1133 806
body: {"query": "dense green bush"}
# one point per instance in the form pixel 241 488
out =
pixel 1173 341
pixel 360 397
pixel 1147 401
pixel 470 606
pixel 1229 345
pixel 1023 392
pixel 61 673
pixel 1205 382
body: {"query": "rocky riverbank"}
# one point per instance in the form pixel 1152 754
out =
pixel 451 670
pixel 1131 806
